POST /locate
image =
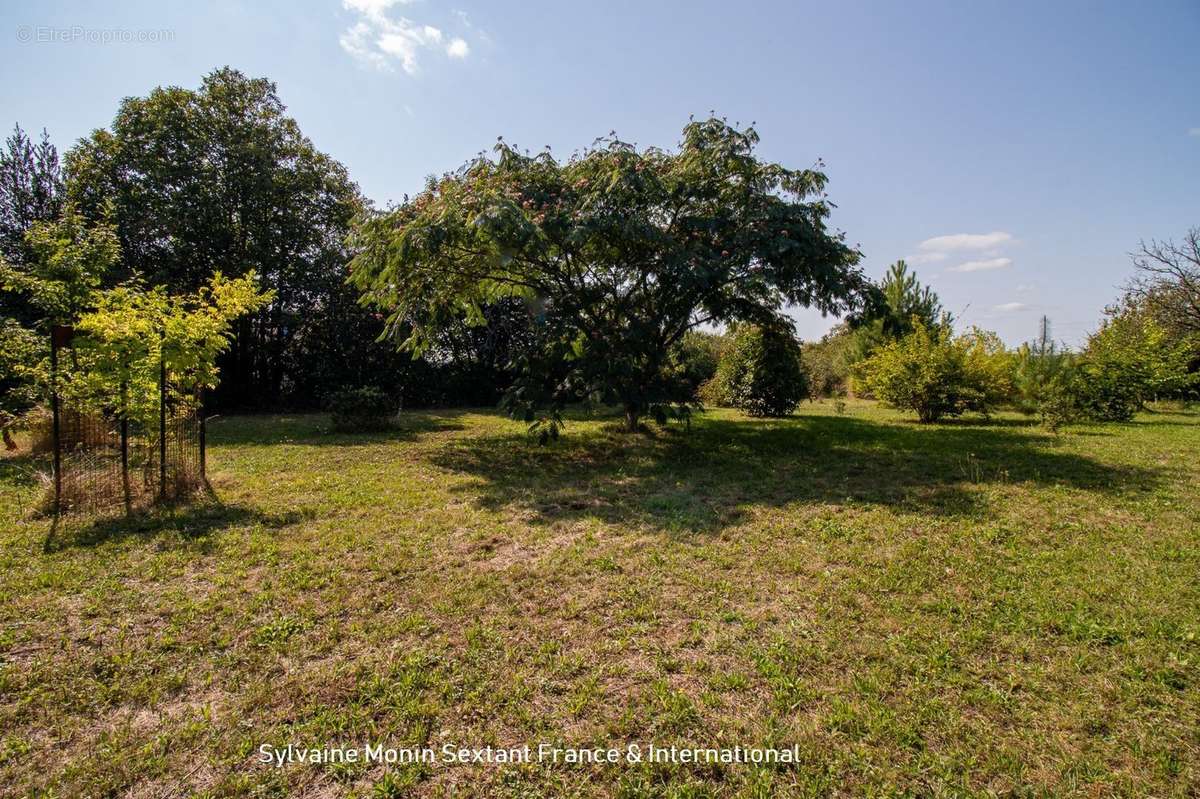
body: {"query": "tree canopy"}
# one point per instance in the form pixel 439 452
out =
pixel 30 189
pixel 124 334
pixel 221 179
pixel 21 353
pixel 68 261
pixel 132 332
pixel 30 192
pixel 617 253
pixel 906 303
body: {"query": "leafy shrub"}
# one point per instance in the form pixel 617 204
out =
pixel 1129 361
pixel 827 363
pixel 713 393
pixel 1063 389
pixel 1106 391
pixel 1044 383
pixel 936 375
pixel 988 368
pixel 1058 405
pixel 21 354
pixel 760 373
pixel 357 410
pixel 697 356
pixel 130 332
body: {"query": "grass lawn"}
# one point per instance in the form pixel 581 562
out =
pixel 973 608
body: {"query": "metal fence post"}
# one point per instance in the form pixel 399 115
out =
pixel 162 419
pixel 203 437
pixel 125 446
pixel 55 335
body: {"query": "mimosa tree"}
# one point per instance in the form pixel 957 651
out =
pixel 617 252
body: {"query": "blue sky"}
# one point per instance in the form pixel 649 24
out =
pixel 1016 152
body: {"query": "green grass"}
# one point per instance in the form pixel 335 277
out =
pixel 974 608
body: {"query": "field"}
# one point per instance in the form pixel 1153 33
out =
pixel 972 608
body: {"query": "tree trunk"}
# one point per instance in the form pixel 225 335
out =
pixel 9 443
pixel 631 418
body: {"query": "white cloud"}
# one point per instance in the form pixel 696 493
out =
pixel 1194 131
pixel 403 43
pixel 1011 306
pixel 982 266
pixel 371 8
pixel 940 248
pixel 378 40
pixel 965 241
pixel 985 247
pixel 357 42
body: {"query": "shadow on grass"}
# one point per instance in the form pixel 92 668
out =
pixel 1155 420
pixel 316 430
pixel 714 476
pixel 1167 408
pixel 981 421
pixel 184 523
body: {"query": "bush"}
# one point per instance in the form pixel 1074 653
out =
pixel 357 410
pixel 1106 392
pixel 21 353
pixel 988 367
pixel 760 373
pixel 1130 361
pixel 1062 389
pixel 1141 354
pixel 713 394
pixel 827 363
pixel 1058 406
pixel 1044 384
pixel 935 375
pixel 697 356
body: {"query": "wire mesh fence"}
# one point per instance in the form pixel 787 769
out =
pixel 105 460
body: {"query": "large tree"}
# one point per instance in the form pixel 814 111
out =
pixel 618 253
pixel 221 179
pixel 30 192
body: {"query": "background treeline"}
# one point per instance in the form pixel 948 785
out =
pixel 1146 348
pixel 219 179
pixel 188 183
